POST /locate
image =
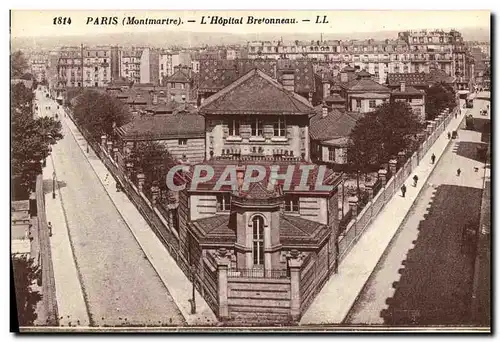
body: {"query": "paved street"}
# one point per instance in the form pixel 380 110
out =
pixel 119 284
pixel 425 275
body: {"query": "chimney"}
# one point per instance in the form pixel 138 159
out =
pixel 240 176
pixel 403 87
pixel 288 81
pixel 343 77
pixel 324 109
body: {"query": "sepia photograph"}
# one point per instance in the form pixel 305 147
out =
pixel 250 171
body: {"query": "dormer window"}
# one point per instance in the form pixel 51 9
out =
pixel 224 202
pixel 292 204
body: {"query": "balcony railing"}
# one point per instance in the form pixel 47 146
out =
pixel 258 273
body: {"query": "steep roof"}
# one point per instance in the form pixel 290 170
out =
pixel 335 98
pixel 256 93
pixel 218 228
pixel 179 76
pixel 293 230
pixel 409 90
pixel 216 74
pixel 334 125
pixel 164 127
pixel 297 230
pixel 367 85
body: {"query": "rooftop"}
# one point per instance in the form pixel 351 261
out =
pixel 256 93
pixel 164 127
pixel 293 230
pixel 334 125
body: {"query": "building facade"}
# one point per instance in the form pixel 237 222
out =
pixel 130 64
pixel 259 252
pixel 149 69
pixel 408 53
pixel 39 65
pixel 84 66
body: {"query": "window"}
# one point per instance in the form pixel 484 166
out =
pixel 224 202
pixel 331 153
pixel 182 141
pixel 234 128
pixel 161 65
pixel 280 128
pixel 257 129
pixel 292 204
pixel 258 240
pixel 372 103
pixel 105 60
pixel 172 85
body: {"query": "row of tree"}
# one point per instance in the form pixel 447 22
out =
pixel 98 113
pixel 391 128
pixel 31 140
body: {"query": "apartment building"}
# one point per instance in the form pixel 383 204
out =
pixel 130 64
pixel 87 66
pixel 410 52
pixel 171 59
pixel 39 66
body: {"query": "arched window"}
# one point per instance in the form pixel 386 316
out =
pixel 258 240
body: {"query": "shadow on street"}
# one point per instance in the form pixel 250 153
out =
pixel 436 277
pixel 471 150
pixel 47 185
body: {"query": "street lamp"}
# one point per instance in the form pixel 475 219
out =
pixel 54 185
pixel 193 293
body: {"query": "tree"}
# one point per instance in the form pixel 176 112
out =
pixel 381 135
pixel 438 97
pixel 26 274
pixel 152 158
pixel 31 140
pixel 99 113
pixel 18 64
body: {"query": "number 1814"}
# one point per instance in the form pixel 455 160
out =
pixel 62 21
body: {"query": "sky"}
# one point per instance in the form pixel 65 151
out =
pixel 31 23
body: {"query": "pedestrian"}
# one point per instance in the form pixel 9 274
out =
pixel 456 113
pixel 415 180
pixel 449 135
pixel 459 172
pixel 403 190
pixel 433 158
pixel 50 229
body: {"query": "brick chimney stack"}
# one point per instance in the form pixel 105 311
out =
pixel 343 77
pixel 324 109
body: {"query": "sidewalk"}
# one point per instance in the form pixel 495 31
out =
pixel 335 300
pixel 172 276
pixel 70 301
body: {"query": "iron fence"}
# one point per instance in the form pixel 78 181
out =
pixel 258 273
